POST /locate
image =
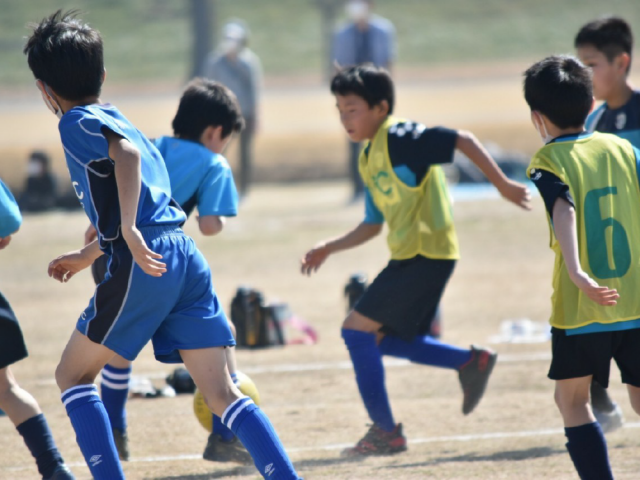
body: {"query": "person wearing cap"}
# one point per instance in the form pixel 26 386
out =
pixel 238 67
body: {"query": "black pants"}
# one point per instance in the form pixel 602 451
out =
pixel 246 154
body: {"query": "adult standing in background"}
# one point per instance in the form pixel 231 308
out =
pixel 236 66
pixel 366 37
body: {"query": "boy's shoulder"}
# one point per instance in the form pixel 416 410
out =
pixel 179 148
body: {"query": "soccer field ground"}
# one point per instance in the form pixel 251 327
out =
pixel 309 391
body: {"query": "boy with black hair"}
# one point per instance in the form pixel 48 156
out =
pixel 200 177
pixel 406 188
pixel 21 408
pixel 158 284
pixel 589 184
pixel 605 45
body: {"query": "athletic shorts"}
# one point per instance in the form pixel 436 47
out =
pixel 12 347
pixel 575 356
pixel 177 311
pixel 404 297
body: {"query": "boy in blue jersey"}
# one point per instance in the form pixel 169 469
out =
pixel 21 408
pixel 200 177
pixel 404 187
pixel 158 286
pixel 605 45
pixel 589 184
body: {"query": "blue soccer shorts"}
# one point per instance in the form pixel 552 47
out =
pixel 177 311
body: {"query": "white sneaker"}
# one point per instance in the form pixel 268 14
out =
pixel 609 421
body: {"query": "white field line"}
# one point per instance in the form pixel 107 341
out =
pixel 325 366
pixel 340 446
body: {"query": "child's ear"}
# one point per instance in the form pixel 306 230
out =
pixel 384 107
pixel 622 62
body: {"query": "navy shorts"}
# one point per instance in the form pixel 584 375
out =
pixel 405 295
pixel 12 347
pixel 177 311
pixel 575 356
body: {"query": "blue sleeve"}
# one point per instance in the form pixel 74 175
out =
pixel 217 194
pixel 10 218
pixel 82 135
pixel 371 213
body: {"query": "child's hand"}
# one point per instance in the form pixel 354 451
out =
pixel 601 295
pixel 145 258
pixel 4 242
pixel 67 265
pixel 516 193
pixel 313 259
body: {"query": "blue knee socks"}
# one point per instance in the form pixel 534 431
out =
pixel 39 441
pixel 114 389
pixel 426 351
pixel 93 431
pixel 245 419
pixel 588 451
pixel 367 365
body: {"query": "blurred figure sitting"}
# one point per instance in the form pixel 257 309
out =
pixel 40 190
pixel 234 65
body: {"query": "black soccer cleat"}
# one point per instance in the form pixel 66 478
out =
pixel 122 443
pixel 218 450
pixel 378 442
pixel 62 472
pixel 474 376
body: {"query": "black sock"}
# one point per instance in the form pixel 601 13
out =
pixel 600 399
pixel 588 450
pixel 40 443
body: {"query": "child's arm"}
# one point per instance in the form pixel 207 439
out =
pixel 317 255
pixel 564 226
pixel 128 178
pixel 515 192
pixel 210 224
pixel 67 265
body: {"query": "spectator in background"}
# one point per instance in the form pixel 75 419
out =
pixel 40 191
pixel 236 66
pixel 364 38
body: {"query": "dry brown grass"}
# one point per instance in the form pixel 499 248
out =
pixel 504 273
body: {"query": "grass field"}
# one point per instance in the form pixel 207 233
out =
pixel 505 273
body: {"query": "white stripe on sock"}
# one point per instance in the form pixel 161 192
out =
pixel 79 395
pixel 115 376
pixel 235 414
pixel 230 407
pixel 115 386
pixel 77 387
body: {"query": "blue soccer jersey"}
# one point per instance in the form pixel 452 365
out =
pixel 93 176
pixel 199 177
pixel 623 122
pixel 10 218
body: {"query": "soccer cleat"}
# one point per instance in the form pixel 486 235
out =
pixel 474 376
pixel 378 442
pixel 62 472
pixel 122 443
pixel 609 421
pixel 218 450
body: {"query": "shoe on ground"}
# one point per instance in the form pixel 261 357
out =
pixel 61 473
pixel 218 450
pixel 474 376
pixel 609 421
pixel 378 442
pixel 122 443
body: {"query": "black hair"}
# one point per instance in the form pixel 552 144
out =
pixel 560 88
pixel 610 35
pixel 40 156
pixel 371 83
pixel 206 103
pixel 67 55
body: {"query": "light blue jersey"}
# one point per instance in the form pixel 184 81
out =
pixel 93 177
pixel 10 218
pixel 199 177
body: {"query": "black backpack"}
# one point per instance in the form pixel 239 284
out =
pixel 257 324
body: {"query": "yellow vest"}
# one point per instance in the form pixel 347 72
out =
pixel 419 218
pixel 601 173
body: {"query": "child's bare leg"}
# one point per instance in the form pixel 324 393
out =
pixel 208 368
pixel 18 404
pixel 634 397
pixel 81 362
pixel 586 443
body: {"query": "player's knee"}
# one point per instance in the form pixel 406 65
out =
pixel 67 379
pixel 220 396
pixel 357 321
